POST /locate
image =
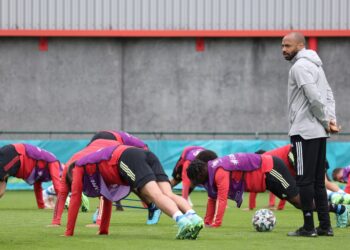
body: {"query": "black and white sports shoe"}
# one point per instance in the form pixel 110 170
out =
pixel 301 232
pixel 324 232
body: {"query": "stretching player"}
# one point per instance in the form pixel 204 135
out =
pixel 342 175
pixel 65 186
pixel 284 153
pixel 121 137
pixel 334 193
pixel 341 196
pixel 130 140
pixel 180 170
pixel 32 164
pixel 228 176
pixel 113 171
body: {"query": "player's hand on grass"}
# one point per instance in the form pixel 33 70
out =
pixel 247 209
pixel 92 225
pixel 101 233
pixel 53 225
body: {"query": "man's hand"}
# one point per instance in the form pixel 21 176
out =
pixel 333 128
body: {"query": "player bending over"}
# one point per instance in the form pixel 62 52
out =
pixel 180 170
pixel 334 193
pixel 113 172
pixel 231 175
pixel 285 154
pixel 130 140
pixel 342 175
pixel 32 164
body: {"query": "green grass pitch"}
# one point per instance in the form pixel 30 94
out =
pixel 23 226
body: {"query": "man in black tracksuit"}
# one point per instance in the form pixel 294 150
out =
pixel 311 110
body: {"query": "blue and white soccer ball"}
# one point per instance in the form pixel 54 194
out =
pixel 264 220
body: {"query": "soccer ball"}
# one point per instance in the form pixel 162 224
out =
pixel 264 220
pixel 49 197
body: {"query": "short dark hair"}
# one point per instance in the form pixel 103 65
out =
pixel 206 155
pixel 105 135
pixel 260 151
pixel 335 172
pixel 196 171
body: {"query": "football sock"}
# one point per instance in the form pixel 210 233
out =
pixel 177 215
pixel 189 212
pixel 151 206
pixel 308 220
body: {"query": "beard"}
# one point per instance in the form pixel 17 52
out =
pixel 290 56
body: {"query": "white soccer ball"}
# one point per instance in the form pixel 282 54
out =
pixel 264 220
pixel 49 200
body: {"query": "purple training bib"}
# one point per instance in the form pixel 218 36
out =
pixel 38 174
pixel 193 152
pixel 244 162
pixel 346 172
pixel 95 186
pixel 131 140
pixel 37 153
pixel 103 154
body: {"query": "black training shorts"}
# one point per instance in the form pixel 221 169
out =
pixel 8 153
pixel 138 167
pixel 280 182
pixel 177 173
